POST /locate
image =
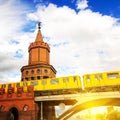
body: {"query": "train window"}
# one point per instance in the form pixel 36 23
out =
pixel 54 81
pixel 65 80
pixel 75 79
pixel 18 85
pixel 96 77
pixel 113 75
pixel 34 83
pixel 3 86
pixel 9 85
pixel 87 77
pixel 100 76
pixel 44 82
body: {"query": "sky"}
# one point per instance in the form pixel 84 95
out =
pixel 84 35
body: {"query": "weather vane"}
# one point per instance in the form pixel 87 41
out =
pixel 39 25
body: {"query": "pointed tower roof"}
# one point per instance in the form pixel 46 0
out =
pixel 39 35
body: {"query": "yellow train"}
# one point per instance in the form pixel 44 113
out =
pixel 61 85
pixel 105 81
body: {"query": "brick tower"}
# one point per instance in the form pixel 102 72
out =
pixel 39 60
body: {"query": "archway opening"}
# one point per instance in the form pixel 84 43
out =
pixel 13 114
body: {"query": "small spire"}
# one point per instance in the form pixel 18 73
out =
pixel 39 35
pixel 39 25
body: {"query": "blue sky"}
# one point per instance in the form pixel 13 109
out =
pixel 84 35
pixel 108 7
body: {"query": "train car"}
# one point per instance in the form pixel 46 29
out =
pixel 49 86
pixel 104 81
pixel 61 85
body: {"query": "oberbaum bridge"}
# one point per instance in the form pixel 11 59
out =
pixel 27 106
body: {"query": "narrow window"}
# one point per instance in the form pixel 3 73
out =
pixel 32 71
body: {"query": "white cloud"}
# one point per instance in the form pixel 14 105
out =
pixel 82 4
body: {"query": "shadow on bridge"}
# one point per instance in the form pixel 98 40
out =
pixel 90 104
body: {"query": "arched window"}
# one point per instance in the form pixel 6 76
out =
pixel 46 71
pixel 32 71
pixel 27 72
pixel 38 70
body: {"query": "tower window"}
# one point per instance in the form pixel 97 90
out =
pixel 38 70
pixel 27 72
pixel 32 78
pixel 26 78
pixel 46 71
pixel 32 71
pixel 38 77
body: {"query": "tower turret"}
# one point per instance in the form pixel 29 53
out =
pixel 39 60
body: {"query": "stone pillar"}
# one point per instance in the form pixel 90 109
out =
pixel 48 111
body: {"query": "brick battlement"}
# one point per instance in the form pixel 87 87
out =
pixel 39 44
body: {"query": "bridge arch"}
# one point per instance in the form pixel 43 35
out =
pixel 89 104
